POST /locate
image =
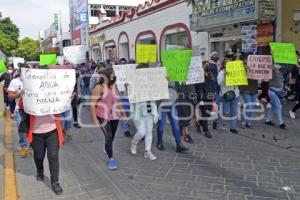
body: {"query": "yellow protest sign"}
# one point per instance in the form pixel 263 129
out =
pixel 146 53
pixel 236 73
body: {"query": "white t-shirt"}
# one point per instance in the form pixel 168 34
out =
pixel 16 85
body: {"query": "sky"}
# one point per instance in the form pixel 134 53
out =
pixel 32 16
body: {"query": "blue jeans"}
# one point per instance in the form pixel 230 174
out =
pixel 171 113
pixel 275 108
pixel 66 120
pixel 22 136
pixel 232 108
pixel 219 101
pixel 249 100
pixel 126 105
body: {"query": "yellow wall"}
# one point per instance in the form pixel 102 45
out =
pixel 288 7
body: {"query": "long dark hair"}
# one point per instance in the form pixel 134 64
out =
pixel 105 76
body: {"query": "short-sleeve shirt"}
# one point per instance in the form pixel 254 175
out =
pixel 16 85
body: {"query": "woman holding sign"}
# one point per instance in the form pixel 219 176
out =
pixel 106 110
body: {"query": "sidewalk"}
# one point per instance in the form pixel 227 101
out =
pixel 227 167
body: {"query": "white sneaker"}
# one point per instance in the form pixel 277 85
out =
pixel 292 115
pixel 269 105
pixel 149 155
pixel 133 148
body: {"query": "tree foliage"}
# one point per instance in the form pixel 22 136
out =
pixel 28 49
pixel 9 34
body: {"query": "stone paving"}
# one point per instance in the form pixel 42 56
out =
pixel 228 167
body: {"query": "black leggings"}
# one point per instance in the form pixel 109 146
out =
pixel 41 143
pixel 74 104
pixel 109 129
pixel 205 109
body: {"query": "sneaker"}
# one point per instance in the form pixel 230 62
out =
pixel 282 126
pixel 12 116
pixel 56 188
pixel 40 177
pixel 127 134
pixel 112 164
pixel 133 148
pixel 269 123
pixel 180 148
pixel 208 135
pixel 248 126
pixel 292 115
pixel 188 139
pixel 149 155
pixel 24 152
pixel 234 131
pixel 269 105
pixel 76 125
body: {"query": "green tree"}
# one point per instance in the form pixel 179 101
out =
pixel 9 34
pixel 28 49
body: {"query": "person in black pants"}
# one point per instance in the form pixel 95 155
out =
pixel 297 106
pixel 205 92
pixel 75 102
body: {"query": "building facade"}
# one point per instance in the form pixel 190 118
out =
pixel 161 22
pixel 86 13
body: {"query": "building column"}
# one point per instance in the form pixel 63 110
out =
pixel 278 31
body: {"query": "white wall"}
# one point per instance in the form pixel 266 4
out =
pixel 157 22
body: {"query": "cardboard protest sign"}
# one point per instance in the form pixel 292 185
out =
pixel 146 53
pixel 47 91
pixel 236 73
pixel 48 59
pixel 259 67
pixel 177 63
pixel 196 72
pixel 16 61
pixel 148 84
pixel 75 54
pixel 284 53
pixel 120 71
pixel 2 67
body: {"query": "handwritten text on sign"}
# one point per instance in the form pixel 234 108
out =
pixel 196 72
pixel 260 67
pixel 236 73
pixel 47 91
pixel 147 84
pixel 120 71
pixel 177 63
pixel 284 53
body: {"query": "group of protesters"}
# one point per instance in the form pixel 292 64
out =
pixel 200 103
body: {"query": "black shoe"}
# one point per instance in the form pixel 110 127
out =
pixel 248 126
pixel 215 125
pixel 282 126
pixel 40 177
pixel 76 125
pixel 188 139
pixel 160 146
pixel 127 134
pixel 56 188
pixel 180 148
pixel 208 135
pixel 269 123
pixel 234 131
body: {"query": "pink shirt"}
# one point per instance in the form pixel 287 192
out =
pixel 44 124
pixel 106 107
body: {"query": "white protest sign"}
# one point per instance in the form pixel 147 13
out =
pixel 75 54
pixel 196 72
pixel 60 60
pixel 47 91
pixel 260 67
pixel 120 71
pixel 149 84
pixel 16 61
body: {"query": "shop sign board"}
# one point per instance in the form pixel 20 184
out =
pixel 210 14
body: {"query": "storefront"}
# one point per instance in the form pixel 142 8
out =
pixel 161 22
pixel 235 26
